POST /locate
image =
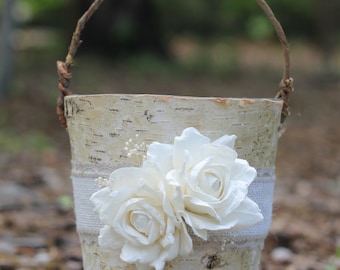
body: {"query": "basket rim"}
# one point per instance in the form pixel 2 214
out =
pixel 175 97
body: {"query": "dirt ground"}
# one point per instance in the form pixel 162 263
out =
pixel 37 225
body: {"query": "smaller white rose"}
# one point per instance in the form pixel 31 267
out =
pixel 139 220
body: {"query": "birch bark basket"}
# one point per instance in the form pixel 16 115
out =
pixel 99 126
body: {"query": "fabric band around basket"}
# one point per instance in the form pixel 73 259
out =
pixel 84 185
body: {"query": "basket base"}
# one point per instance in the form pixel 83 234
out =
pixel 203 257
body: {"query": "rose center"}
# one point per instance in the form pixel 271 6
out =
pixel 211 184
pixel 140 221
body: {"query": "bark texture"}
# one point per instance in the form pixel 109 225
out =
pixel 99 125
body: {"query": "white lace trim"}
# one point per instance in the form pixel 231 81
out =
pixel 84 186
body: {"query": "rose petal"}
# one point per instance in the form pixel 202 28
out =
pixel 99 197
pixel 243 172
pixel 196 206
pixel 151 255
pixel 182 246
pixel 106 235
pixel 204 223
pixel 125 177
pixel 191 221
pixel 185 242
pixel 177 177
pixel 139 254
pixel 141 206
pixel 199 186
pixel 219 154
pixel 247 214
pixel 108 209
pixel 235 195
pixel 150 186
pixel 168 238
pixel 187 147
pixel 226 140
pixel 160 154
pixel 141 221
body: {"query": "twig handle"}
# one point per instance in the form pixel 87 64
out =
pixel 286 84
pixel 63 68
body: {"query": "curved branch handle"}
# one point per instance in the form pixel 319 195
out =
pixel 286 84
pixel 63 68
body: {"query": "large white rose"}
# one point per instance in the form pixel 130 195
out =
pixel 139 220
pixel 212 181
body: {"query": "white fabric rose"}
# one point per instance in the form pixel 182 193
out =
pixel 213 182
pixel 139 219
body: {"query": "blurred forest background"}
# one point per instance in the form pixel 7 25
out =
pixel 192 36
pixel 191 47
